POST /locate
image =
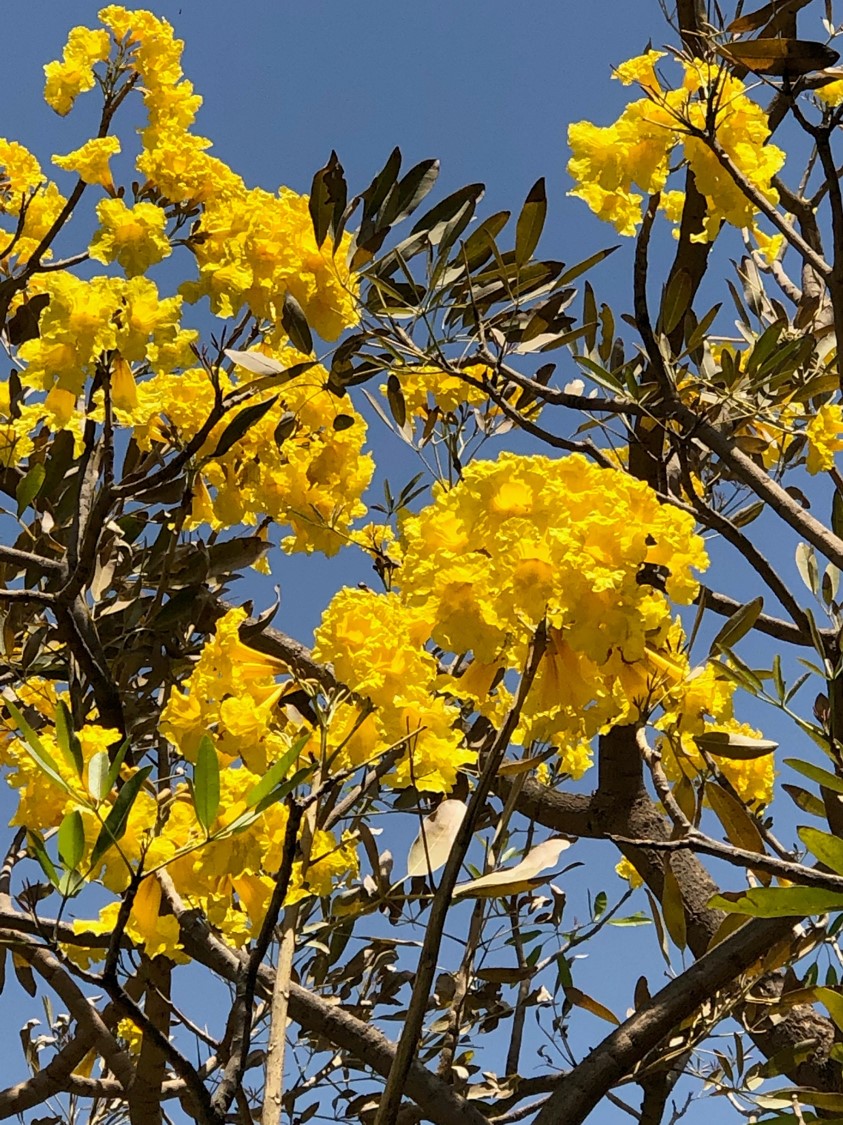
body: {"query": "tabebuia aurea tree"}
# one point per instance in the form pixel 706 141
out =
pixel 257 877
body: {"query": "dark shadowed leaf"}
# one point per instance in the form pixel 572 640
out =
pixel 295 324
pixel 781 57
pixel 530 222
pixel 738 625
pixel 241 424
pixel 115 823
pixel 395 398
pixel 328 197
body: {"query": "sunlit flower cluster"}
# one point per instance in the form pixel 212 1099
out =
pixel 638 150
pixel 426 386
pixel 524 538
pixel 254 247
pixel 825 437
pixel 376 646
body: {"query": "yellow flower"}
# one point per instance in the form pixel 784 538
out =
pixel 627 871
pixel 20 173
pixel 75 73
pixel 641 70
pixel 90 162
pixel 825 437
pixel 132 236
pixel 637 150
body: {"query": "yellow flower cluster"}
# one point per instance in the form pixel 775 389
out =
pixel 638 149
pixel 696 701
pixel 85 319
pixel 23 186
pixel 75 72
pixel 230 695
pixel 311 480
pixel 134 237
pixel 825 437
pixel 231 692
pixel 523 538
pixel 376 646
pixel 253 247
pixel 423 386
pixel 42 802
pixel 91 161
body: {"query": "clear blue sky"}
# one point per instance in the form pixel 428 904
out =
pixel 489 88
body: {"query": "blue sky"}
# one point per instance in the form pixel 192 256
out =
pixel 488 88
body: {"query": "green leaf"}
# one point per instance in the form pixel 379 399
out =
pixel 71 840
pixel 241 423
pixel 584 265
pixel 67 740
pixel 70 883
pixel 29 487
pixel 530 222
pixel 115 766
pixel 833 1002
pixel 639 919
pixel 206 783
pixel 276 773
pixel 807 802
pixel 827 848
pixel 46 864
pixel 676 300
pixel 738 625
pixel 98 770
pixel 816 773
pixel 295 324
pixel 806 564
pixel 115 823
pixel 778 902
pixel 35 747
pixel 738 747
